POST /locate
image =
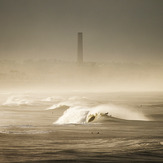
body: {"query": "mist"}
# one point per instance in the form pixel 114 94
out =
pixel 56 75
pixel 122 40
pixel 81 81
pixel 114 31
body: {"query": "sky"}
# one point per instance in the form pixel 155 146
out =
pixel 113 30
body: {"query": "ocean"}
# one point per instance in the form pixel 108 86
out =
pixel 81 127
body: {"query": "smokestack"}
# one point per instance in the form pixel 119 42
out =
pixel 80 48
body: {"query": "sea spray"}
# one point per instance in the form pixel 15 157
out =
pixel 118 112
pixel 52 98
pixel 73 102
pixel 61 104
pixel 79 114
pixel 17 101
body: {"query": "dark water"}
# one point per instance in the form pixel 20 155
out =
pixel 134 133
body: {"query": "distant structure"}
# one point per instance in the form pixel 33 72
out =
pixel 80 48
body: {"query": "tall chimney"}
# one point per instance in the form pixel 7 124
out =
pixel 80 48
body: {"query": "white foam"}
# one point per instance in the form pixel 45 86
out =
pixel 53 98
pixel 75 115
pixel 17 100
pixel 48 99
pixel 64 103
pixel 79 114
pixel 55 106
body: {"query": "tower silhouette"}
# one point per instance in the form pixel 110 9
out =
pixel 80 48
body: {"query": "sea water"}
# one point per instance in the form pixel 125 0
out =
pixel 54 127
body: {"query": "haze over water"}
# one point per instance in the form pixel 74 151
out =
pixel 108 108
pixel 55 127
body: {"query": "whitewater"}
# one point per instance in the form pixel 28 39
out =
pixel 82 127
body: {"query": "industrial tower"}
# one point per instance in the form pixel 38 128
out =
pixel 80 48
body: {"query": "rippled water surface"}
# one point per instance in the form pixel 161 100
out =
pixel 54 127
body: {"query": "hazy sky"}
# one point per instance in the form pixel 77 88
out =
pixel 114 30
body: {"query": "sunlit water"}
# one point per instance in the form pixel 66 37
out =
pixel 54 127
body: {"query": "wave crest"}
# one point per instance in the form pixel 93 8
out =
pixel 53 98
pixel 17 101
pixel 80 115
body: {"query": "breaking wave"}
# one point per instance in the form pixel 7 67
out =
pixel 71 102
pixel 61 104
pixel 81 115
pixel 17 101
pixel 53 98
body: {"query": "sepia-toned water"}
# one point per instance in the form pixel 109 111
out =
pixel 124 127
